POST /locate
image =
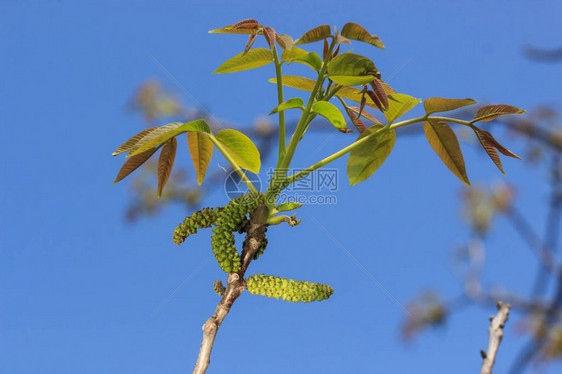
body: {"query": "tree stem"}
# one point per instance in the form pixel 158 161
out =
pixel 255 234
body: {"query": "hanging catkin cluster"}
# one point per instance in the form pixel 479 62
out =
pixel 287 289
pixel 226 220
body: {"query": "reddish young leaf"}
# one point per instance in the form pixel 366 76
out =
pixel 326 49
pixel 359 125
pixel 246 24
pixel 270 36
pixel 491 112
pixel 489 148
pixel 376 100
pixel 380 92
pixel 133 163
pixel 128 145
pixel 365 114
pixel 494 142
pixel 251 40
pixel 165 163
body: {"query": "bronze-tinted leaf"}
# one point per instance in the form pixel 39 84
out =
pixel 365 115
pixel 300 83
pixel 439 104
pixel 285 41
pixel 166 162
pixel 445 143
pixel 251 40
pixel 491 112
pixel 357 32
pixel 314 35
pixel 359 125
pixel 489 148
pixel 247 26
pixel 129 144
pixel 270 36
pixel 201 151
pixel 380 92
pixel 325 49
pixel 133 163
pixel 493 142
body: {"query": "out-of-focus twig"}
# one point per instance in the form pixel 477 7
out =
pixel 495 330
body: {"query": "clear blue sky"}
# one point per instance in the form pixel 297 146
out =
pixel 79 287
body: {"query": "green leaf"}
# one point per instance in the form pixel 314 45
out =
pixel 241 149
pixel 439 104
pixel 445 143
pixel 247 26
pixel 297 82
pixel 356 32
pixel 314 35
pixel 295 54
pixel 345 80
pixel 330 112
pixel 166 162
pixel 164 133
pixel 133 164
pixel 350 64
pixel 491 112
pixel 201 151
pixel 399 105
pixel 289 205
pixel 366 158
pixel 132 141
pixel 295 102
pixel 253 59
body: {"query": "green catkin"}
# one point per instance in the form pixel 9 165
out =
pixel 201 219
pixel 287 289
pixel 227 222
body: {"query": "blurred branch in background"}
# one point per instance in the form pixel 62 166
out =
pixel 540 314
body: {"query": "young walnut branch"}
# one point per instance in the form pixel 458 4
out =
pixel 495 330
pixel 255 234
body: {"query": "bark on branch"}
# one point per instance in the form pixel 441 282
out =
pixel 495 330
pixel 255 234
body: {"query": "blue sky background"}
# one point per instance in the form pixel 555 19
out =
pixel 79 287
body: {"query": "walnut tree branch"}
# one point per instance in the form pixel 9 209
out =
pixel 255 234
pixel 495 330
